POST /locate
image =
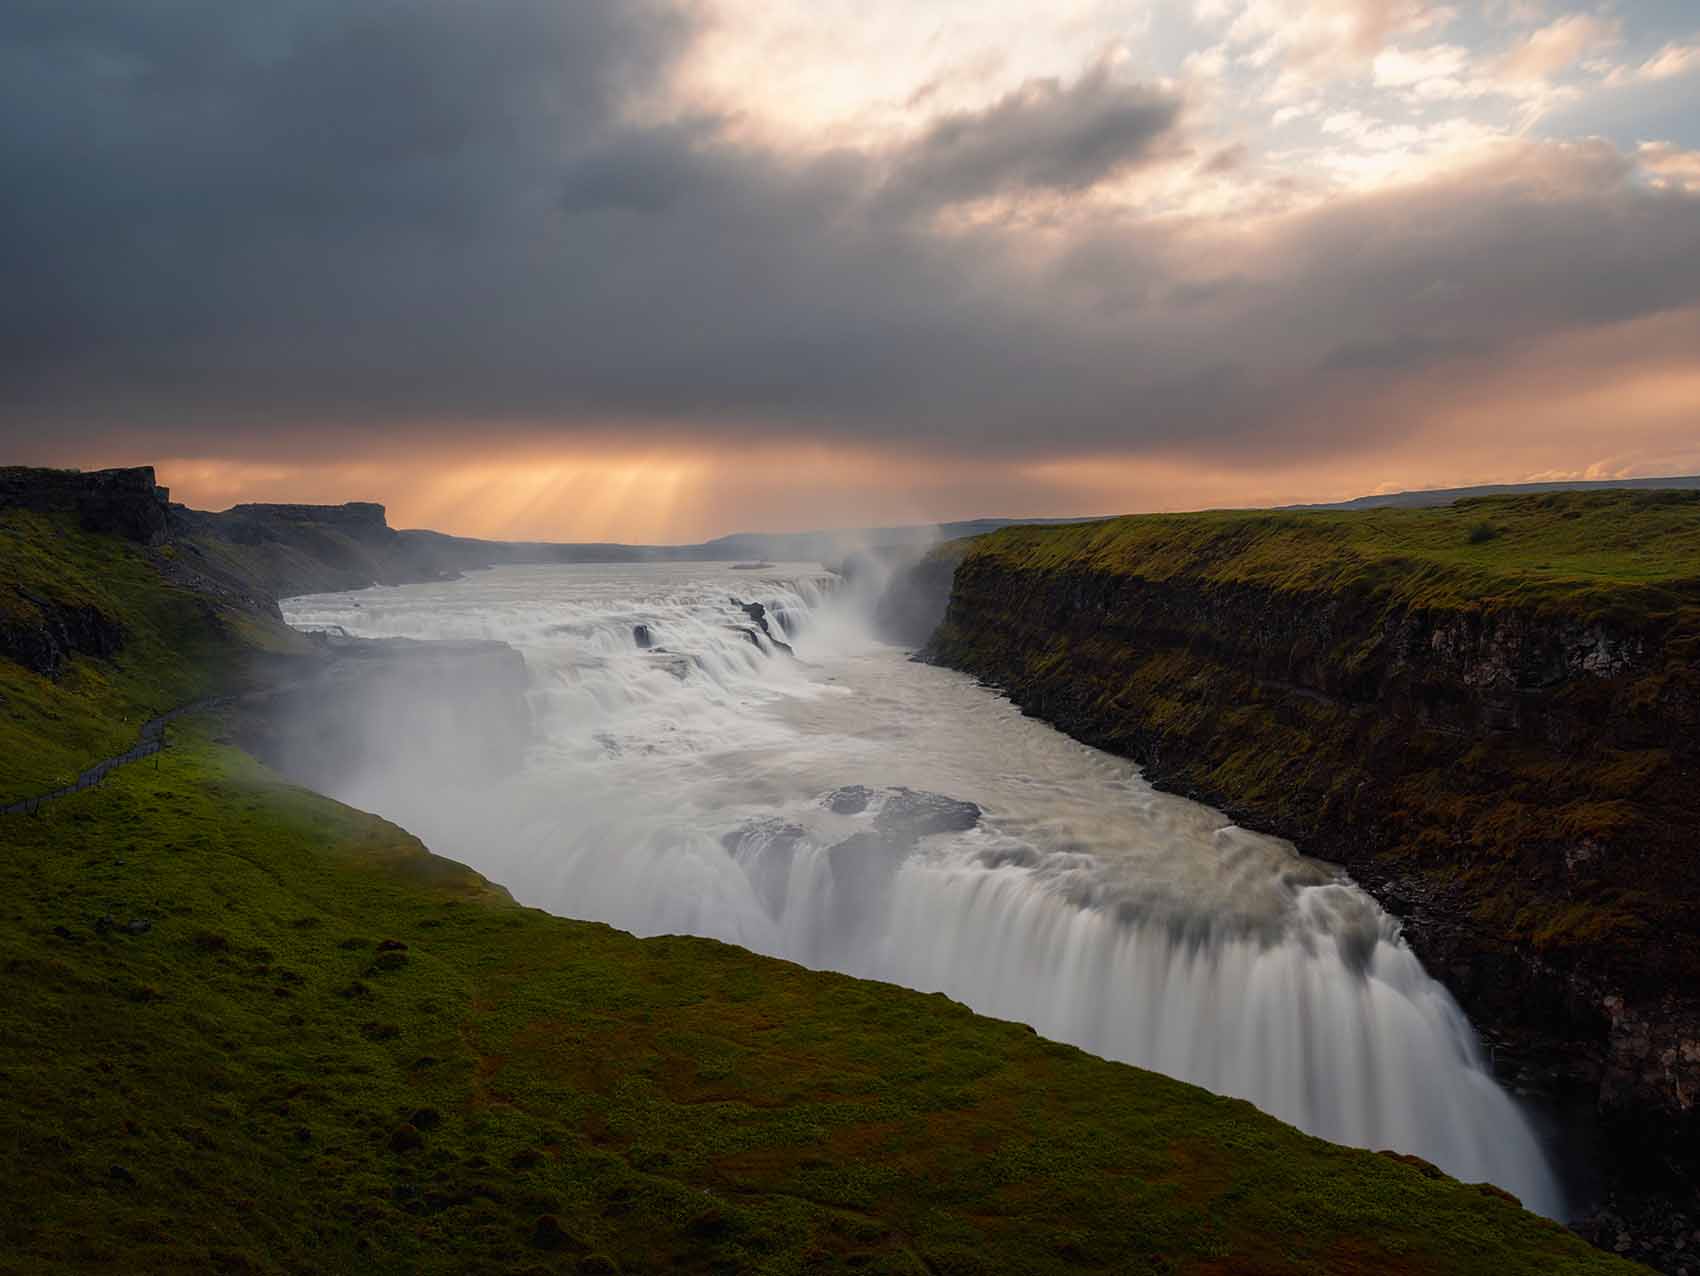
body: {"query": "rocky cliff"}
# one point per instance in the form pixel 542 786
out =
pixel 1489 715
pixel 125 502
pixel 309 549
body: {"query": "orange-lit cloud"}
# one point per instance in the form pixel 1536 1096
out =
pixel 655 270
pixel 1623 402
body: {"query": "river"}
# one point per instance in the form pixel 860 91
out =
pixel 812 804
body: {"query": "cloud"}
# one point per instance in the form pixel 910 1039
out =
pixel 1312 42
pixel 1670 167
pixel 357 230
pixel 1556 47
pixel 1398 68
pixel 1044 137
pixel 1669 62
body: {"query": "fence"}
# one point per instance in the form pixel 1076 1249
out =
pixel 150 740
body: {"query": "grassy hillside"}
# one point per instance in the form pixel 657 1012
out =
pixel 1570 551
pixel 248 1029
pixel 173 646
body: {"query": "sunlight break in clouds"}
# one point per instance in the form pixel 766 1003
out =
pixel 650 269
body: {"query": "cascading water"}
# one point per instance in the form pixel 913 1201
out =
pixel 843 807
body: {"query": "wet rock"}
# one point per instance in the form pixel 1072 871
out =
pixel 766 849
pixel 642 636
pixel 852 799
pixel 913 814
pixel 762 832
pixel 679 666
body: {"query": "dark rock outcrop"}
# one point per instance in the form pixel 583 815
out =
pixel 864 864
pixel 304 549
pixel 1518 786
pixel 122 502
pixel 43 634
pixel 760 629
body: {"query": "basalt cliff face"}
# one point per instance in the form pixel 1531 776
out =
pixel 312 549
pixel 125 502
pixel 1513 769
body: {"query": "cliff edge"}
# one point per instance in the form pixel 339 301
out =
pixel 1489 714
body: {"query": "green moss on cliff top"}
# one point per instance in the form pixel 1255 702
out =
pixel 1592 553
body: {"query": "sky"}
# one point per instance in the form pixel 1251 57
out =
pixel 658 270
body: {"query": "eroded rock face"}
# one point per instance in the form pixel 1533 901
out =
pixel 1519 788
pixel 43 635
pixel 122 502
pixel 907 815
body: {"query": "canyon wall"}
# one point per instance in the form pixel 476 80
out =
pixel 1511 765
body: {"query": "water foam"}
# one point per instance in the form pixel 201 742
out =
pixel 679 789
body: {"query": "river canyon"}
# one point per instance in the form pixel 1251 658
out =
pixel 732 754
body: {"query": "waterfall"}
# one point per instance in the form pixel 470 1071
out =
pixel 731 754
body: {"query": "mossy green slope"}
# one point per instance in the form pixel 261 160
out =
pixel 176 646
pixel 238 1087
pixel 1575 552
pixel 249 1029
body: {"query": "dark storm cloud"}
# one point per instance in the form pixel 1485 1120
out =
pixel 320 227
pixel 1046 136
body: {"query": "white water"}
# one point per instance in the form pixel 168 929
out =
pixel 1137 925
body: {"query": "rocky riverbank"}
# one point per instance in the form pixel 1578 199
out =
pixel 1489 715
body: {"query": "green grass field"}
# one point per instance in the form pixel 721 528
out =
pixel 1568 551
pixel 248 1029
